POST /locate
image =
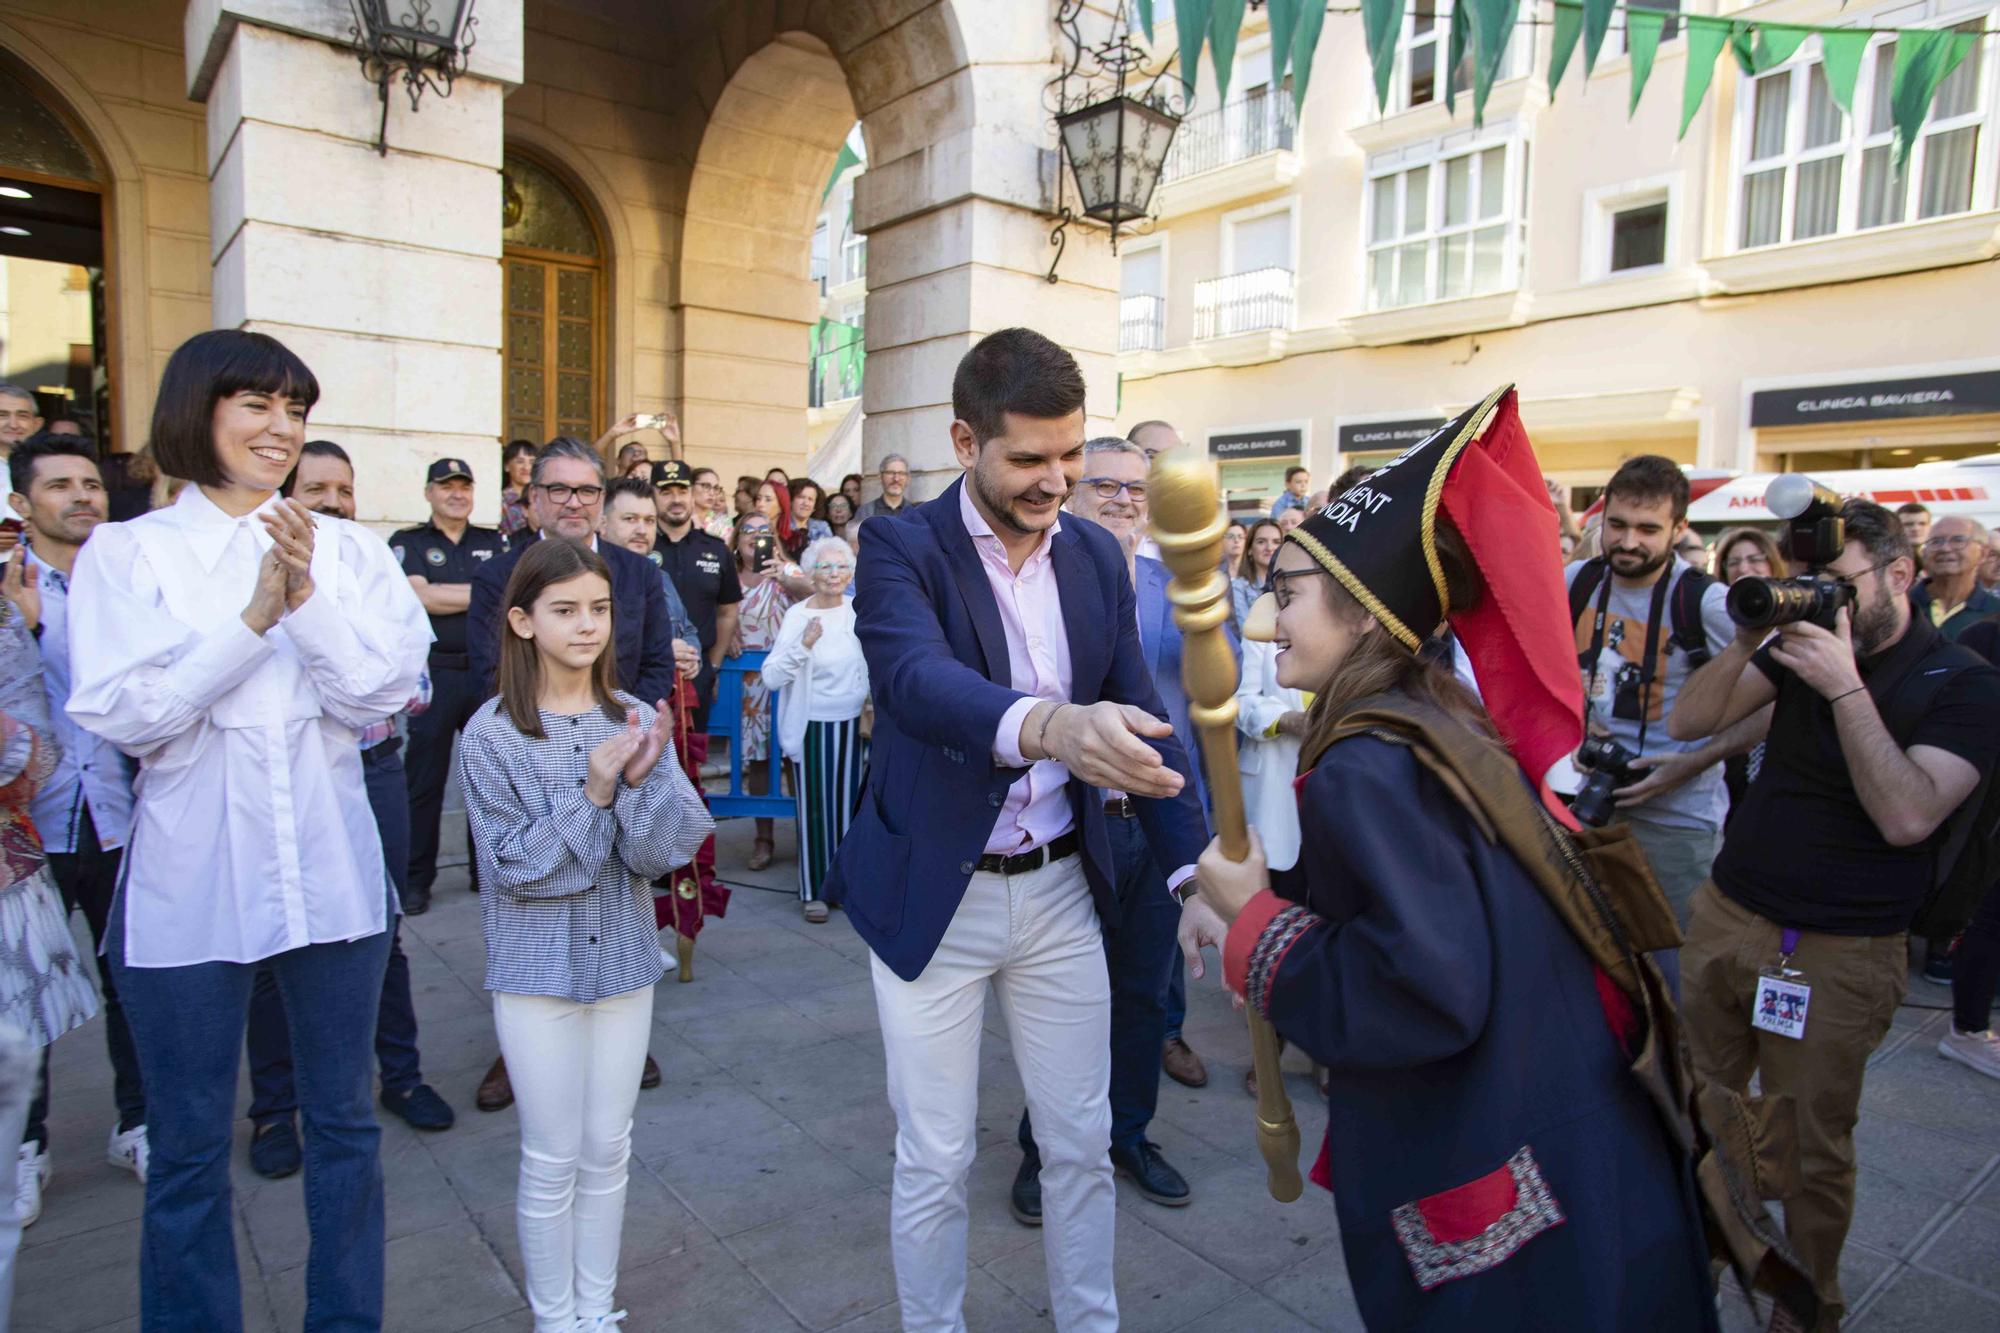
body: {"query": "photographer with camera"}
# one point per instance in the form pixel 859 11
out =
pixel 1645 621
pixel 1795 961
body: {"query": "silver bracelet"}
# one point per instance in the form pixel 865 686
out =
pixel 1042 736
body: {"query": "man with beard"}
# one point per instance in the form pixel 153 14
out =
pixel 1645 621
pixel 324 483
pixel 895 478
pixel 1795 961
pixel 1139 951
pixel 440 557
pixel 83 811
pixel 1010 691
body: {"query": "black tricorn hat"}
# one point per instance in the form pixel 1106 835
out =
pixel 1379 537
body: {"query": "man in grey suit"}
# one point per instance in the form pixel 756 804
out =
pixel 1140 951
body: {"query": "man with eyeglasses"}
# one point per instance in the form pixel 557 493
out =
pixel 1795 959
pixel 440 557
pixel 1140 953
pixel 566 496
pixel 895 478
pixel 1949 596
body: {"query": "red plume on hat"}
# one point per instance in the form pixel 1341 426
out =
pixel 1518 637
pixel 1380 540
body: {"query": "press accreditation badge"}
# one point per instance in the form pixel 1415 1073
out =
pixel 1780 1004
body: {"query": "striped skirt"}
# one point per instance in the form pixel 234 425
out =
pixel 827 787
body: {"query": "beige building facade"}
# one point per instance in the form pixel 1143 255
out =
pixel 1765 293
pixel 613 211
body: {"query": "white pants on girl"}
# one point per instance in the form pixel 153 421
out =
pixel 575 1070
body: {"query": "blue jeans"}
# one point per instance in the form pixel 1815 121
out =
pixel 188 1024
pixel 1138 954
pixel 273 1095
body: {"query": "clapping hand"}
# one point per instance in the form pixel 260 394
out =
pixel 21 585
pixel 814 628
pixel 650 743
pixel 267 599
pixel 292 530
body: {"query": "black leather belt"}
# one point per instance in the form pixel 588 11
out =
pixel 1034 859
pixel 1121 808
pixel 451 661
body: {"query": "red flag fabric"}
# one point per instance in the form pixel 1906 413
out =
pixel 1518 638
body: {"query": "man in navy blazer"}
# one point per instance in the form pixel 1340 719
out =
pixel 1140 954
pixel 1010 687
pixel 645 637
pixel 566 492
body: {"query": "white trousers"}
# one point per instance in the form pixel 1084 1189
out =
pixel 575 1070
pixel 1036 938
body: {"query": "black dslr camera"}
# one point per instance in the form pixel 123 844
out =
pixel 1815 535
pixel 1610 766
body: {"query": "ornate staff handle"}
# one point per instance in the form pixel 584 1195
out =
pixel 1188 524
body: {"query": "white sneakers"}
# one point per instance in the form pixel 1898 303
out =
pixel 1974 1050
pixel 31 1176
pixel 128 1150
pixel 599 1323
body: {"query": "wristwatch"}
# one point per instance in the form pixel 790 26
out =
pixel 1187 889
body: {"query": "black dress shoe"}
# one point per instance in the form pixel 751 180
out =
pixel 1025 1199
pixel 274 1150
pixel 1150 1172
pixel 416 902
pixel 420 1108
pixel 649 1077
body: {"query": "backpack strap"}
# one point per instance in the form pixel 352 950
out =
pixel 1690 635
pixel 1581 588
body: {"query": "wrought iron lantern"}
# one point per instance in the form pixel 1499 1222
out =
pixel 424 41
pixel 1115 143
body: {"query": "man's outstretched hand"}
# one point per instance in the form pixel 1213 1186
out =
pixel 1100 744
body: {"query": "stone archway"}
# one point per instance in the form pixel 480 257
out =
pixel 953 204
pixel 747 302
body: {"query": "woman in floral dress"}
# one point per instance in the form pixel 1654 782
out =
pixel 758 617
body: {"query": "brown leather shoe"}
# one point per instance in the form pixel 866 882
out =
pixel 496 1092
pixel 650 1076
pixel 1183 1065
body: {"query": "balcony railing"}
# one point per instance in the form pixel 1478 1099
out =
pixel 1142 322
pixel 1234 132
pixel 1243 303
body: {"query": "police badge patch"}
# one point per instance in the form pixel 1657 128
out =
pixel 434 556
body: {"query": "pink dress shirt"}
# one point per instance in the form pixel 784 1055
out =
pixel 1036 810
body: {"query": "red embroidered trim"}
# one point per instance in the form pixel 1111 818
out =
pixel 1436 1260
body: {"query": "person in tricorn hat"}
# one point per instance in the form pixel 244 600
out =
pixel 1494 1162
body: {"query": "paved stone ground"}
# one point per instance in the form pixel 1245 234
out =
pixel 759 1197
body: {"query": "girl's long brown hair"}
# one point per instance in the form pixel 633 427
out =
pixel 1378 664
pixel 550 561
pixel 1246 564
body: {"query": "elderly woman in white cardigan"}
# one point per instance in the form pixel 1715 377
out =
pixel 1272 719
pixel 822 679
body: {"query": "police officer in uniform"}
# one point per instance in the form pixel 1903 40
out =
pixel 439 557
pixel 701 569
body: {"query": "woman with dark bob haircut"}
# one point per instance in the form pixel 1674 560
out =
pixel 237 643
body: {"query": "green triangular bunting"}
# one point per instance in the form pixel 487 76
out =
pixel 1596 22
pixel 1224 23
pixel 1840 57
pixel 1775 45
pixel 1191 18
pixel 1569 26
pixel 1705 39
pixel 1923 61
pixel 1284 20
pixel 1492 25
pixel 1461 37
pixel 1642 40
pixel 1381 23
pixel 1305 40
pixel 1146 19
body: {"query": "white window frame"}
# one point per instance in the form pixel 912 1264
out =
pixel 1235 217
pixel 853 248
pixel 1434 155
pixel 1440 36
pixel 1601 207
pixel 1161 241
pixel 1854 143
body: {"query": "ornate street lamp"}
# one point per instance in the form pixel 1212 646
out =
pixel 426 41
pixel 1116 145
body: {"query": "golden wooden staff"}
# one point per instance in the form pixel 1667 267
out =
pixel 1189 525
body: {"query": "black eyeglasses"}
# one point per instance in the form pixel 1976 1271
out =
pixel 1107 488
pixel 1281 583
pixel 1848 579
pixel 587 495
